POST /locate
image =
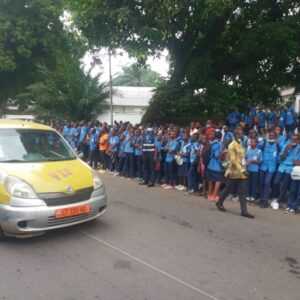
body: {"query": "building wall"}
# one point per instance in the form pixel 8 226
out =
pixel 129 104
pixel 132 114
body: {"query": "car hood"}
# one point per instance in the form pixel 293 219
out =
pixel 51 177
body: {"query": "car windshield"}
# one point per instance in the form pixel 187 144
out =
pixel 26 145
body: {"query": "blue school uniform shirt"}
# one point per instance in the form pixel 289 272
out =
pixel 122 149
pixel 93 142
pixel 172 147
pixel 286 165
pixel 215 163
pixel 270 157
pixel 282 118
pixel 114 142
pixel 253 154
pixel 261 119
pixel 247 120
pixel 260 143
pixel 185 151
pixel 272 118
pixel 228 137
pixel 158 145
pixel 194 150
pixel 128 147
pixel 290 117
pixel 67 133
pixel 83 133
pixel 252 112
pixel 138 140
pixel 233 118
pixel 74 137
pixel 282 141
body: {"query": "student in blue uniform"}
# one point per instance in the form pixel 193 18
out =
pixel 128 168
pixel 252 114
pixel 268 167
pixel 74 136
pixel 261 117
pixel 271 119
pixel 138 159
pixel 294 196
pixel 93 143
pixel 233 119
pixel 121 155
pixel 182 169
pixel 83 143
pixel 282 119
pixel 149 154
pixel 282 139
pixel 215 172
pixel 290 121
pixel 253 160
pixel 158 158
pixel 192 174
pixel 282 181
pixel 113 143
pixel 228 136
pixel 67 133
pixel 170 164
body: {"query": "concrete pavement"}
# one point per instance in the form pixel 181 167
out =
pixel 156 244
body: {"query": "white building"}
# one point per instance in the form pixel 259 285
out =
pixel 288 94
pixel 129 104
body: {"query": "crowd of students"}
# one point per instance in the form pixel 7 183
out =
pixel 251 155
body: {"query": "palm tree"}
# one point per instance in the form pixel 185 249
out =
pixel 137 75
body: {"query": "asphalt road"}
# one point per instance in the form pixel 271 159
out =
pixel 155 244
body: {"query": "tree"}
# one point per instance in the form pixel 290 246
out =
pixel 235 52
pixel 68 93
pixel 137 75
pixel 31 34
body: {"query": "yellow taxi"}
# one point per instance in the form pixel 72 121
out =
pixel 44 185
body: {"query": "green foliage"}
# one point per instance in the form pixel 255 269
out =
pixel 237 52
pixel 137 75
pixel 30 35
pixel 68 93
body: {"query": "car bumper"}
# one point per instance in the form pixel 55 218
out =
pixel 34 221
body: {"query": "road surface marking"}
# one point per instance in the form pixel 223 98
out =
pixel 148 265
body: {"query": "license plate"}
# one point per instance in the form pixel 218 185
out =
pixel 72 211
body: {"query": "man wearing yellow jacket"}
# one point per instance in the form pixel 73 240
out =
pixel 236 174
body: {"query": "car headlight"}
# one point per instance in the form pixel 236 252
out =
pixel 19 188
pixel 97 182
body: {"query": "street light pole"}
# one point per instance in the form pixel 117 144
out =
pixel 110 89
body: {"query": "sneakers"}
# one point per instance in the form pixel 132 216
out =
pixel 275 205
pixel 168 187
pixel 290 211
pixel 250 199
pixel 190 192
pixel 180 187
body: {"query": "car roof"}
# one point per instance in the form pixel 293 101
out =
pixel 20 124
